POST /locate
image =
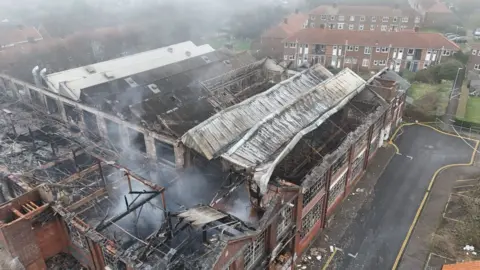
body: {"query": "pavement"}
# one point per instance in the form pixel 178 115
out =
pixel 375 233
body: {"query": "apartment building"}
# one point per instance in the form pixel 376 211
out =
pixel 271 40
pixel 364 18
pixel 474 59
pixel 366 51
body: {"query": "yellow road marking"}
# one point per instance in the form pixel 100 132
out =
pixel 329 259
pixel 427 193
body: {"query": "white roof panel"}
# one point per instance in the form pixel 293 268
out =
pixel 83 77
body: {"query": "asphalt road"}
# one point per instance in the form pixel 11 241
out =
pixel 375 236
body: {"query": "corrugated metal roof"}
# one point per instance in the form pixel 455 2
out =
pixel 222 130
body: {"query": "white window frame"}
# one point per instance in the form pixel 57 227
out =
pixel 395 19
pixel 476 67
pixel 405 19
pixel 375 62
pixel 474 52
pixel 312 17
pixel 341 18
pixel 285 57
pixel 362 18
pixel 417 19
pixel 374 18
pixel 332 17
pixel 348 60
pixel 323 17
pixel 446 53
pixel 385 19
pixel 385 49
pixel 350 48
pixel 365 62
pixel 351 26
pixel 340 25
pixel 372 27
pixel 367 50
pixel 354 61
pixel 293 45
pixel 378 49
pixel 382 62
pixel 412 53
pixel 291 57
pixel 361 27
pixel 357 48
pixel 384 28
pixel 352 18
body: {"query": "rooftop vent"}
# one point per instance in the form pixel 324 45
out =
pixel 90 69
pixel 206 59
pixel 109 75
pixel 131 82
pixel 188 53
pixel 154 88
pixel 170 50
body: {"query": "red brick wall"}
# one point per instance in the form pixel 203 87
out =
pixel 230 251
pixel 51 238
pixel 20 242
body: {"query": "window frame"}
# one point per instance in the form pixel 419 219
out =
pixel 374 18
pixel 351 18
pixel 323 17
pixel 385 19
pixel 372 27
pixel 367 50
pixel 365 62
pixel 341 18
pixel 361 27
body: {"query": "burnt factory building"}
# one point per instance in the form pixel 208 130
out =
pixel 188 158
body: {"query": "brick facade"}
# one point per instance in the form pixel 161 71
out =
pixel 364 18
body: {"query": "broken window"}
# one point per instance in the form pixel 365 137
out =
pixel 358 164
pixel 313 190
pixel 337 189
pixel 310 219
pixel 113 133
pixel 52 105
pixel 164 151
pixel 72 114
pixel 36 97
pixel 137 140
pixel 285 220
pixel 254 251
pixel 91 123
pixel 337 165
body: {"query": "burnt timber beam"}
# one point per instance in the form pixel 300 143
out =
pixel 87 199
pixel 114 219
pixel 134 176
pixel 80 174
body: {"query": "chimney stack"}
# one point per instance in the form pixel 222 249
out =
pixel 285 20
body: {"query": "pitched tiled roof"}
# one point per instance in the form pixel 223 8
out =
pixel 17 34
pixel 294 23
pixel 362 10
pixel 402 39
pixel 475 265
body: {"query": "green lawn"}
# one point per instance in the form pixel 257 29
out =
pixel 420 91
pixel 472 113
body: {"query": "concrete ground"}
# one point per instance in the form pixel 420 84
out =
pixel 371 236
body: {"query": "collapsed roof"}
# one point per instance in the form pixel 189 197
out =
pixel 259 132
